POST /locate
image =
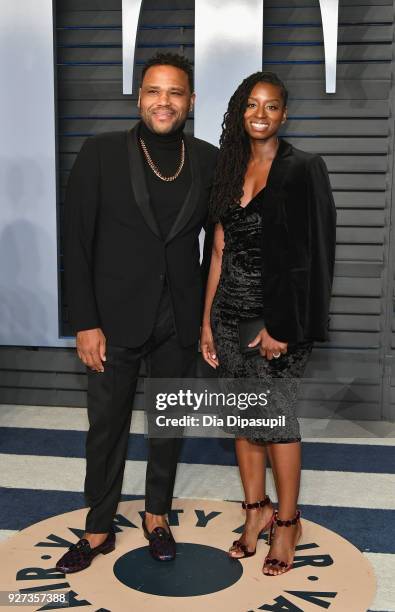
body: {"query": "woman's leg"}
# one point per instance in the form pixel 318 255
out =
pixel 286 464
pixel 285 457
pixel 251 459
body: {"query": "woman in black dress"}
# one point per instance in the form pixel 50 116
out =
pixel 272 263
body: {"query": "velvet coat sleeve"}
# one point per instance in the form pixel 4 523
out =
pixel 81 210
pixel 298 247
pixel 322 235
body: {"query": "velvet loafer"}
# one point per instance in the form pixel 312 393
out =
pixel 162 545
pixel 80 555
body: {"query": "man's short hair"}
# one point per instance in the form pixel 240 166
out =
pixel 171 59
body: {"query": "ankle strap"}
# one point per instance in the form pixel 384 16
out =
pixel 287 523
pixel 258 504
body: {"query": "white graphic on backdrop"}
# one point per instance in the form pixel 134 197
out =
pixel 228 46
pixel 330 23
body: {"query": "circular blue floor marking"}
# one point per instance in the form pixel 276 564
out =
pixel 197 570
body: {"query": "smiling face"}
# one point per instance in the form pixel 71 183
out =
pixel 165 98
pixel 265 111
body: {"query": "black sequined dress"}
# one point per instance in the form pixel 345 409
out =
pixel 239 296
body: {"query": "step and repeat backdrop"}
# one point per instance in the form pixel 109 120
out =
pixel 89 91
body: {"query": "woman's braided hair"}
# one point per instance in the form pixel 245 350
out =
pixel 235 147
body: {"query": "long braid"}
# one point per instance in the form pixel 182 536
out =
pixel 235 147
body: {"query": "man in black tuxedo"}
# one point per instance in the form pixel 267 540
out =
pixel 136 202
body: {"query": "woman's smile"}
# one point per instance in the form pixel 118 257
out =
pixel 259 126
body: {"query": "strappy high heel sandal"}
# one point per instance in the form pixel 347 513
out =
pixel 238 546
pixel 270 562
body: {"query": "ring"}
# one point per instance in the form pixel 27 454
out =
pixel 276 355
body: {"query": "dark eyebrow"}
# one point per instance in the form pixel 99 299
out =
pixel 173 87
pixel 255 99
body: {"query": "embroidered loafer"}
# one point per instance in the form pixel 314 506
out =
pixel 80 555
pixel 162 545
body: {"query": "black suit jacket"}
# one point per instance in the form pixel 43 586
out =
pixel 298 246
pixel 115 260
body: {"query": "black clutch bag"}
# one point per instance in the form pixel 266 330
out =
pixel 248 330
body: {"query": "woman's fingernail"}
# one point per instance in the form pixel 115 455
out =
pixel 214 356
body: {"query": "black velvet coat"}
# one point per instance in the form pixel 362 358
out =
pixel 298 246
pixel 114 257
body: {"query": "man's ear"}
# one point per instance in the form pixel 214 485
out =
pixel 138 101
pixel 192 102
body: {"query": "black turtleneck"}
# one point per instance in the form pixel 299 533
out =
pixel 166 197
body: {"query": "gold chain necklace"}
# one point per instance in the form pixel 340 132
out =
pixel 154 167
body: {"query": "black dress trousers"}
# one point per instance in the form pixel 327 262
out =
pixel 110 398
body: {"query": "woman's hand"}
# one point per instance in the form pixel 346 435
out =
pixel 268 346
pixel 207 346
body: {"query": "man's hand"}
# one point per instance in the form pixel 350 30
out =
pixel 91 348
pixel 268 346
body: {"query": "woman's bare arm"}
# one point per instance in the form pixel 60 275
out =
pixel 207 341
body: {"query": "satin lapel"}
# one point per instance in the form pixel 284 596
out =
pixel 193 194
pixel 139 184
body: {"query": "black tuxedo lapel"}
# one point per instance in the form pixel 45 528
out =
pixel 192 198
pixel 139 183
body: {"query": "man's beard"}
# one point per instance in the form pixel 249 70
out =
pixel 172 127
